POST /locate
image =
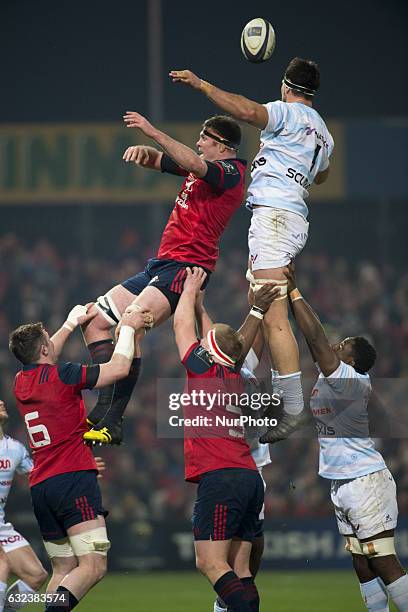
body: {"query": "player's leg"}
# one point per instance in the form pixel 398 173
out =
pixel 31 575
pixel 384 562
pixel 372 588
pixel 4 573
pixel 275 237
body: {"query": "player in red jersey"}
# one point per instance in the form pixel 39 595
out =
pixel 212 191
pixel 64 491
pixel 217 456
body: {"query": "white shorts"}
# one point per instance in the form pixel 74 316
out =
pixel 367 505
pixel 275 237
pixel 10 539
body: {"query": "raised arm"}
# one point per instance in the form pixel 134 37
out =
pixel 180 153
pixel 144 156
pixel 263 298
pixel 311 327
pixel 77 316
pixel 184 317
pixel 236 105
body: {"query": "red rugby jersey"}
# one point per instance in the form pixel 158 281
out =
pixel 202 211
pixel 49 399
pixel 212 446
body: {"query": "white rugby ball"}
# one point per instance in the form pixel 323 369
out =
pixel 258 40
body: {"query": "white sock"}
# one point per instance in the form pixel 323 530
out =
pixel 375 595
pixel 19 586
pixel 398 591
pixel 3 588
pixel 290 386
pixel 217 607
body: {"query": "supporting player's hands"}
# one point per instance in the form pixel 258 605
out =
pixel 264 297
pixel 100 466
pixel 194 279
pixel 186 77
pixel 137 317
pixel 141 155
pixel 136 120
pixel 289 272
pixel 80 315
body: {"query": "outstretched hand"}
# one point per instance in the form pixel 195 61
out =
pixel 194 279
pixel 264 297
pixel 136 120
pixel 186 77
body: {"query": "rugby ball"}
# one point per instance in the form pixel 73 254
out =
pixel 258 40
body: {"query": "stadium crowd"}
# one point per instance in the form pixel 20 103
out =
pixel 144 479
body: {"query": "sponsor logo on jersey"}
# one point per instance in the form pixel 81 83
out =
pixel 298 177
pixel 310 130
pixel 257 163
pixel 5 464
pixel 154 279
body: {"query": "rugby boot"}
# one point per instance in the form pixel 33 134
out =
pixel 287 425
pixel 105 433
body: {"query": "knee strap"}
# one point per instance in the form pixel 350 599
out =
pixel 353 545
pixel 256 284
pixel 379 548
pixel 107 308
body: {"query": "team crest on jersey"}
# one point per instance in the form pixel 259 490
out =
pixel 228 167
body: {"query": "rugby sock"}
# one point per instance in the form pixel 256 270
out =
pixel 251 594
pixel 398 591
pixel 290 387
pixel 101 352
pixel 19 586
pixel 122 392
pixel 59 607
pixel 375 595
pixel 231 590
pixel 219 606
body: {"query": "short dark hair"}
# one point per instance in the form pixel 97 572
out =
pixel 364 354
pixel 226 127
pixel 305 73
pixel 25 342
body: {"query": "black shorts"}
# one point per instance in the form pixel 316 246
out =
pixel 167 275
pixel 66 500
pixel 228 505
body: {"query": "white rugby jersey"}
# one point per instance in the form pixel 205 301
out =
pixel 14 457
pixel 295 146
pixel 260 452
pixel 339 406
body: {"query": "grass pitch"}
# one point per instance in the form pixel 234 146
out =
pixel 184 592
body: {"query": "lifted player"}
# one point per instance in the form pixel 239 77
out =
pixel 64 490
pixel 217 457
pixel 294 153
pixel 363 490
pixel 212 190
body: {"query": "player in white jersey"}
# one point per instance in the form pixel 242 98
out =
pixel 23 562
pixel 294 153
pixel 363 490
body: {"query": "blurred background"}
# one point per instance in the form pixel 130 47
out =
pixel 76 220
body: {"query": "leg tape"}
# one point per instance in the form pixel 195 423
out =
pixel 94 541
pixel 60 548
pixel 256 284
pixel 353 545
pixel 379 548
pixel 107 308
